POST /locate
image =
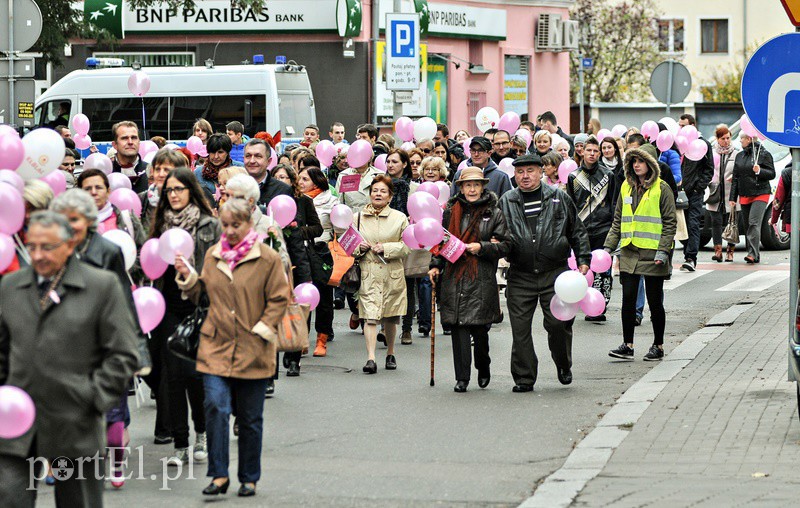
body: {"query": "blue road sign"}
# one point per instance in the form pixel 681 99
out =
pixel 771 89
pixel 587 63
pixel 404 39
pixel 402 52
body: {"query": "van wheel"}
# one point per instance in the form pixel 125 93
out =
pixel 770 238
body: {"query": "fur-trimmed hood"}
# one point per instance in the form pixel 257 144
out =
pixel 652 174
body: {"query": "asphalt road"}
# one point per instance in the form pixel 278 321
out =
pixel 337 437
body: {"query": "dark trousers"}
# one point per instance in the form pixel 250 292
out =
pixel 249 403
pixel 182 381
pixel 157 382
pixel 323 320
pixel 524 291
pixel 753 214
pixel 84 489
pixel 462 350
pixel 341 294
pixel 418 291
pixel 693 215
pixel 654 290
pixel 719 220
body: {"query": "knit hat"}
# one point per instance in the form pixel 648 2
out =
pixel 580 139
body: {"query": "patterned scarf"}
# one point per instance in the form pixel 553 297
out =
pixel 153 195
pixel 186 219
pixel 211 172
pixel 232 255
pixel 723 150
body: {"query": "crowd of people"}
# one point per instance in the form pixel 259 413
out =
pixel 624 197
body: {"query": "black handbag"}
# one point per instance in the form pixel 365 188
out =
pixel 682 201
pixel 185 340
pixel 351 280
pixel 321 262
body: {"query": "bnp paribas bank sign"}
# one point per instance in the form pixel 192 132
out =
pixel 214 16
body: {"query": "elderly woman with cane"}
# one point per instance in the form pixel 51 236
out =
pixel 468 296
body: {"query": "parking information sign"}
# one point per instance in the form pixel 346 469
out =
pixel 771 89
pixel 402 51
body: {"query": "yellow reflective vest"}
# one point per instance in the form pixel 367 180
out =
pixel 643 227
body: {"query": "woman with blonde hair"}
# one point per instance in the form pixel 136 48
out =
pixel 433 169
pixel 542 142
pixel 594 127
pixel 225 174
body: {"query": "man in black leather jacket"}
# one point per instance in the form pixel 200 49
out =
pixel 544 226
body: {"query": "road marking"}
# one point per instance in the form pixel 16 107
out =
pixel 680 278
pixel 756 281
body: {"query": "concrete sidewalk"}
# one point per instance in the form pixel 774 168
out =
pixel 715 424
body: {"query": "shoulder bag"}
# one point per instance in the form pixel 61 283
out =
pixel 682 201
pixel 351 280
pixel 293 327
pixel 185 340
pixel 731 232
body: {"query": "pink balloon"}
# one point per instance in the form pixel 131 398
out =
pixel 565 168
pixel 380 162
pixel 407 146
pixel 82 141
pixel 429 232
pixel 462 165
pixel 509 122
pixel 80 124
pixel 410 239
pixel 175 241
pixel 589 277
pixel 682 143
pixel 341 216
pixel 11 178
pixel 7 129
pixel 561 310
pixel 150 307
pixel 359 154
pixel 126 199
pixel 696 150
pixel 152 264
pixel 572 262
pixel 619 130
pixel 7 251
pixel 17 412
pixel 650 130
pixel 139 83
pixel 12 151
pixel 98 161
pixel 194 144
pixel 422 205
pixel 119 181
pixel 601 261
pixel 56 180
pixel 430 188
pixel 689 132
pixel 525 134
pixel 325 152
pixel 283 209
pixel 506 166
pixel 146 147
pixel 594 303
pixel 307 294
pixel 465 147
pixel 273 158
pixel 404 127
pixel 12 210
pixel 148 157
pixel 602 134
pixel 747 126
pixel 716 163
pixel 664 141
pixel 444 192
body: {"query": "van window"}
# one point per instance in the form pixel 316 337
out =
pixel 104 113
pixel 218 110
pixel 295 112
pixel 54 113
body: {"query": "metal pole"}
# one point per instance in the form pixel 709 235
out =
pixel 669 86
pixel 376 35
pixel 11 80
pixel 794 242
pixel 397 108
pixel 580 76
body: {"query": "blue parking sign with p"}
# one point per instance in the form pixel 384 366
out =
pixel 404 43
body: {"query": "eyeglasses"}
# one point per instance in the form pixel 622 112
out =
pixel 45 247
pixel 477 150
pixel 425 150
pixel 174 190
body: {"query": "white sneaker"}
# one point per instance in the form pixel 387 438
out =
pixel 201 448
pixel 180 457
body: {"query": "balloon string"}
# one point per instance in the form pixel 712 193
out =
pixel 144 121
pixel 23 251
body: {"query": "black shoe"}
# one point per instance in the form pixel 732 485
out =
pixel 424 331
pixel 293 370
pixel 370 367
pixel 214 490
pixel 565 376
pixel 638 320
pixel 246 491
pixel 522 388
pixel 461 386
pixel 656 354
pixel 483 381
pixel 597 319
pixel 162 440
pixel 285 361
pixel 391 362
pixel 270 388
pixel 382 338
pixel 689 265
pixel 338 303
pixel 623 351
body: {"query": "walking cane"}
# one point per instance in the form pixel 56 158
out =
pixel 433 329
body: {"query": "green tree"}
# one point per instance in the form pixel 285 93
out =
pixel 621 37
pixel 63 20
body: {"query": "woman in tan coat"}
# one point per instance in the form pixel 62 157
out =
pixel 248 294
pixel 382 297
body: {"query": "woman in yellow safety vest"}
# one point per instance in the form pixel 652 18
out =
pixel 644 227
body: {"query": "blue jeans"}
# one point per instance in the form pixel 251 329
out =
pixel 249 414
pixel 640 298
pixel 693 215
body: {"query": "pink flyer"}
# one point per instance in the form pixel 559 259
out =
pixel 350 183
pixel 350 240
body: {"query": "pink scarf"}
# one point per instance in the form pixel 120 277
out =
pixel 233 255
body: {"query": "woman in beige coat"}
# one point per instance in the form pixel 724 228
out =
pixel 382 297
pixel 248 294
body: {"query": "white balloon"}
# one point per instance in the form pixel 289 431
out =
pixel 44 151
pixel 125 242
pixel 571 286
pixel 487 118
pixel 671 125
pixel 424 128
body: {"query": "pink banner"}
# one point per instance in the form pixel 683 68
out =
pixel 451 248
pixel 350 240
pixel 350 183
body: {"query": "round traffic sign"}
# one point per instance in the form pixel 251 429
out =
pixel 27 25
pixel 680 85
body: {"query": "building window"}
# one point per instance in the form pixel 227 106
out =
pixel 714 35
pixel 670 35
pixel 476 52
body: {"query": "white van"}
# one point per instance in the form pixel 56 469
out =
pixel 272 98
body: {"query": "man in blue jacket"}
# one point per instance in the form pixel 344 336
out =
pixel 481 157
